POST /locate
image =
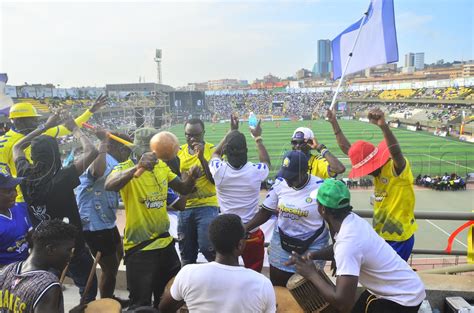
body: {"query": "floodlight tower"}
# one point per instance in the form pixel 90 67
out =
pixel 158 64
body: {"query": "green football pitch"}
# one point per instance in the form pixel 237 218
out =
pixel 427 153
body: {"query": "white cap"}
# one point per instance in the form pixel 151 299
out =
pixel 307 133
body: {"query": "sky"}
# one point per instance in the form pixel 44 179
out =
pixel 84 43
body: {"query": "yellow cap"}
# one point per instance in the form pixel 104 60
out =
pixel 23 109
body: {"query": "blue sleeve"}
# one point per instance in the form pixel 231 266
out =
pixel 171 198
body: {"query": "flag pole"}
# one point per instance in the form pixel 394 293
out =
pixel 347 62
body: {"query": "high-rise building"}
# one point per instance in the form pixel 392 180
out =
pixel 323 66
pixel 419 60
pixel 409 59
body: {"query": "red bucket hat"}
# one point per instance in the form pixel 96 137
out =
pixel 366 158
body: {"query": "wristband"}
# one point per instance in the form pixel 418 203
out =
pixel 324 151
pixel 320 147
pixel 258 138
pixel 41 126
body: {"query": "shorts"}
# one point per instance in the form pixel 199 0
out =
pixel 403 248
pixel 277 256
pixel 105 241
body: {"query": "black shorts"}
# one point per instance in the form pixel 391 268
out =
pixel 106 241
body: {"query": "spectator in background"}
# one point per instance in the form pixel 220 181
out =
pixel 237 177
pixel 14 223
pixel 201 205
pixel 49 189
pixel 98 209
pixel 323 165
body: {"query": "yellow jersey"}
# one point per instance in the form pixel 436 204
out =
pixel 394 203
pixel 319 166
pixel 205 191
pixel 144 199
pixel 11 137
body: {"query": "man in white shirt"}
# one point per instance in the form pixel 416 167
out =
pixel 238 185
pixel 361 256
pixel 221 286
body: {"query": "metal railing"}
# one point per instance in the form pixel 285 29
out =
pixel 449 216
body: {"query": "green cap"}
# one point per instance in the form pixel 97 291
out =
pixel 334 194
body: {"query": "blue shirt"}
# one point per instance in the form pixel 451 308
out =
pixel 13 230
pixel 97 206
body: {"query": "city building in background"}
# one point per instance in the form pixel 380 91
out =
pixel 323 65
pixel 419 62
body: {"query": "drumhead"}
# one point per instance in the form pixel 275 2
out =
pixel 103 306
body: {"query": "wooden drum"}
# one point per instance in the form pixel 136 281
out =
pixel 286 303
pixel 103 306
pixel 308 296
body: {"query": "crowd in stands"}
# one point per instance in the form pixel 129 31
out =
pixel 445 182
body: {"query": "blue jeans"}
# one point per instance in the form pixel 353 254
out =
pixel 193 224
pixel 79 269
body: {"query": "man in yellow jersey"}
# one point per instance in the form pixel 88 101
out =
pixel 394 196
pixel 324 164
pixel 201 205
pixel 150 254
pixel 25 119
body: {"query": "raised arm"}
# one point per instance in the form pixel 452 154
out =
pixel 342 141
pixel 199 149
pixel 234 125
pixel 89 151
pixel 377 117
pixel 334 164
pixel 18 149
pixel 97 169
pixel 262 151
pixel 61 130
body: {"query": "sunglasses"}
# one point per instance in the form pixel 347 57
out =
pixel 299 142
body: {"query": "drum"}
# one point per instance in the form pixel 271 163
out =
pixel 103 306
pixel 308 296
pixel 286 303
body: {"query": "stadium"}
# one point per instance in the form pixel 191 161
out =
pixel 337 189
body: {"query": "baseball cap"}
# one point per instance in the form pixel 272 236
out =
pixel 303 133
pixel 7 181
pixel 294 163
pixel 333 194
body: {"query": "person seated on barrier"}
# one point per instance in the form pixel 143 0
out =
pixel 221 285
pixel 299 225
pixel 361 256
pixel 33 285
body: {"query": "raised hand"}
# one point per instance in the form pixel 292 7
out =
pixel 257 130
pixel 147 161
pixel 331 115
pixel 195 172
pixel 198 148
pixel 377 117
pixel 53 120
pixel 102 134
pixel 99 103
pixel 234 122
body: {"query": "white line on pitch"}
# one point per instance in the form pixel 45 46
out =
pixel 445 232
pixel 430 156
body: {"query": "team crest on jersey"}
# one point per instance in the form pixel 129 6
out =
pixel 309 200
pixel 384 180
pixel 286 162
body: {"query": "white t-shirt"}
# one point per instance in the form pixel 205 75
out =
pixel 359 251
pixel 298 214
pixel 214 287
pixel 238 189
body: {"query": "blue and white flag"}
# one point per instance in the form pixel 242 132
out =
pixel 377 43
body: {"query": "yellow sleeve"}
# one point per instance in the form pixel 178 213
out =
pixel 171 175
pixel 319 168
pixel 60 130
